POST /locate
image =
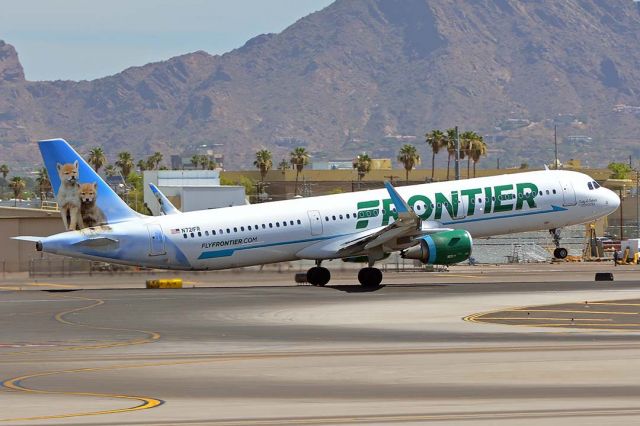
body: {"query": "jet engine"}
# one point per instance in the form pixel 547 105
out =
pixel 441 248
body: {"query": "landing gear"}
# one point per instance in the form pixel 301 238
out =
pixel 370 277
pixel 559 252
pixel 318 275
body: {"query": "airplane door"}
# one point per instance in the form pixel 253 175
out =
pixel 462 209
pixel 156 240
pixel 316 222
pixel 568 194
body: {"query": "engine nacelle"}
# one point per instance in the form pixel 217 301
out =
pixel 441 248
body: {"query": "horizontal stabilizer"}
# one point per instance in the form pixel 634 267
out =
pixel 27 238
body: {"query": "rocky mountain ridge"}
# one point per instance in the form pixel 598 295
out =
pixel 365 75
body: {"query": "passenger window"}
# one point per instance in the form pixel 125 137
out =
pixel 249 228
pixel 206 233
pixel 213 232
pixel 479 200
pixel 277 224
pixel 326 218
pixel 199 234
pixel 264 226
pixel 184 235
pixel 554 191
pixel 235 229
pixel 270 225
pixel 299 223
pixel 242 228
pixel 284 223
pixel 340 217
pixel 291 223
pixel 228 231
pixel 348 217
pixel 192 235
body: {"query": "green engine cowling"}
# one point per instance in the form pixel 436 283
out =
pixel 441 248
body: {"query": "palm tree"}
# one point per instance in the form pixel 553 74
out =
pixel 299 158
pixel 362 164
pixel 43 182
pixel 451 148
pixel 125 163
pixel 195 160
pixel 142 165
pixel 155 160
pixel 436 140
pixel 212 164
pixel 263 163
pixel 4 170
pixel 17 184
pixel 96 158
pixel 283 166
pixel 467 141
pixel 204 161
pixel 409 157
pixel 110 170
pixel 478 150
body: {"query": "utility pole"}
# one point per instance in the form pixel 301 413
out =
pixel 555 142
pixel 457 162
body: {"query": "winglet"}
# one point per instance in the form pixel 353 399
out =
pixel 165 205
pixel 398 201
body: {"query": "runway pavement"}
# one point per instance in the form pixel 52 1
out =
pixel 417 350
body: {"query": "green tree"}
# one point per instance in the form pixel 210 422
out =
pixel 212 164
pixel 478 149
pixel 17 184
pixel 96 158
pixel 408 157
pixel 468 140
pixel 204 161
pixel 451 148
pixel 4 171
pixel 283 166
pixel 142 165
pixel 299 158
pixel 195 160
pixel 263 162
pixel 362 164
pixel 124 163
pixel 619 170
pixel 436 140
pixel 153 162
pixel 110 170
pixel 43 182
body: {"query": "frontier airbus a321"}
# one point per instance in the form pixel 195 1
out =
pixel 432 222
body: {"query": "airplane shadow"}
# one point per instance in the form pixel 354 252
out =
pixel 354 288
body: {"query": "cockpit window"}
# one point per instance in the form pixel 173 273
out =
pixel 596 185
pixel 590 185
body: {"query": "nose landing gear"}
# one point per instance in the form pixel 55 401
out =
pixel 559 252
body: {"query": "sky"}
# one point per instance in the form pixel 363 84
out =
pixel 87 39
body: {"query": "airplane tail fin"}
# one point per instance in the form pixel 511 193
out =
pixel 83 197
pixel 165 205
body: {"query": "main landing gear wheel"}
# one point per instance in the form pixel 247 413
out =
pixel 370 277
pixel 560 253
pixel 318 276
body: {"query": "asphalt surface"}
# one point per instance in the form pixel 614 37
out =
pixel 417 350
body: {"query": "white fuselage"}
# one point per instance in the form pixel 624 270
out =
pixel 285 230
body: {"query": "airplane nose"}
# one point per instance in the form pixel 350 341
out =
pixel 613 200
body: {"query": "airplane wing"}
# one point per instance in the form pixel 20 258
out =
pixel 165 205
pixel 403 233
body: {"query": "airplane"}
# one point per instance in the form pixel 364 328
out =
pixel 434 223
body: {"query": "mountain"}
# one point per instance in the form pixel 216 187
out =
pixel 366 75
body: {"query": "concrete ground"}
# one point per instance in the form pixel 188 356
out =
pixel 253 348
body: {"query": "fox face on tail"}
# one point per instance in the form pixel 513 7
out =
pixel 91 214
pixel 68 198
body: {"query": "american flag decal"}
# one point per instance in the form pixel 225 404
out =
pixel 175 231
